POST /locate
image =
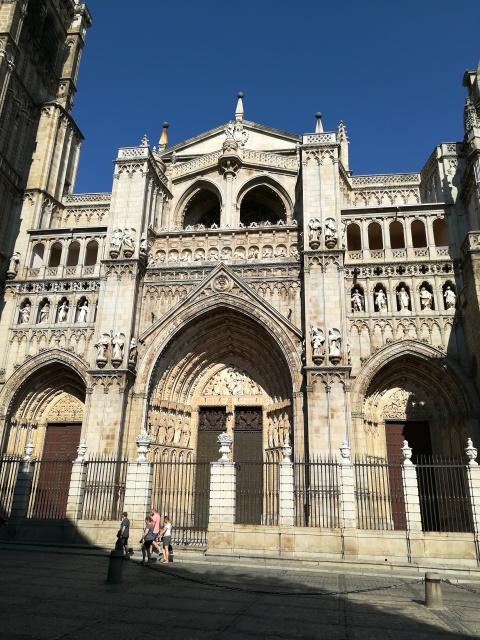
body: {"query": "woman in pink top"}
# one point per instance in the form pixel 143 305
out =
pixel 156 529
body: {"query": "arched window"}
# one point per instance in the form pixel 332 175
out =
pixel 375 240
pixel 397 237
pixel 91 253
pixel 354 238
pixel 440 232
pixel 202 210
pixel 419 237
pixel 73 254
pixel 262 205
pixel 37 255
pixel 55 255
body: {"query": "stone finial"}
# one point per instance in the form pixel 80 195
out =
pixel 406 453
pixel 318 123
pixel 239 110
pixel 28 452
pixel 287 450
pixel 144 142
pixel 143 441
pixel 163 142
pixel 81 451
pixel 225 440
pixel 471 453
pixel 345 452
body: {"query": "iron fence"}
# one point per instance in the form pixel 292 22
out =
pixel 50 482
pixel 379 494
pixel 9 466
pixel 257 492
pixel 317 493
pixel 104 493
pixel 181 490
pixel 445 504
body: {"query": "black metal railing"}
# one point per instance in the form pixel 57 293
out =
pixel 104 489
pixel 257 493
pixel 9 466
pixel 181 490
pixel 379 494
pixel 50 482
pixel 445 504
pixel 317 493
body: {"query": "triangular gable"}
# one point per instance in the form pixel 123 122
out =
pixel 222 280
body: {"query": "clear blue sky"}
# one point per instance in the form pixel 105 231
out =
pixel 391 70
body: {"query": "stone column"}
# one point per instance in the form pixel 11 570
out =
pixel 473 474
pixel 23 485
pixel 76 490
pixel 410 490
pixel 138 485
pixel 286 493
pixel 348 511
pixel 222 498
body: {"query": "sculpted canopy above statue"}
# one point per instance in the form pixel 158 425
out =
pixel 231 381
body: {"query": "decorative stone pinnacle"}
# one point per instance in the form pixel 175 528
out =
pixel 163 142
pixel 81 451
pixel 239 110
pixel 406 453
pixel 345 451
pixel 471 453
pixel 144 142
pixel 143 441
pixel 225 440
pixel 318 124
pixel 287 450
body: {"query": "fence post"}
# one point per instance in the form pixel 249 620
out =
pixel 23 485
pixel 76 490
pixel 413 514
pixel 286 489
pixel 138 484
pixel 222 497
pixel 348 512
pixel 473 474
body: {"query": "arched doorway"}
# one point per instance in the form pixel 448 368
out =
pixel 222 372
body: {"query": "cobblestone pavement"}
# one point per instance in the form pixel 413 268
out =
pixel 65 596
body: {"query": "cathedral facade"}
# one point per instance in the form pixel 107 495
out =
pixel 242 281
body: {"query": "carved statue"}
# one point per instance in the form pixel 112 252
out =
pixel 318 341
pixel 143 245
pixel 330 233
pixel 334 345
pixel 162 434
pixel 82 311
pixel 44 313
pixel 358 301
pixel 132 352
pixel 102 347
pixel 128 242
pixel 25 313
pixel 185 433
pixel 118 343
pixel 450 297
pixel 13 265
pixel 426 298
pixel 177 432
pixel 314 232
pixel 403 299
pixel 381 300
pixel 63 311
pixel 116 243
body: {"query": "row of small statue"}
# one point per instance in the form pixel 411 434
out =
pixel 278 431
pixel 330 233
pixel 403 297
pixel 125 239
pixel 317 337
pixel 62 312
pixel 111 345
pixel 241 225
pixel 176 433
pixel 213 254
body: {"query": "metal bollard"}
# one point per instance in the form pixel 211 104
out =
pixel 115 567
pixel 433 591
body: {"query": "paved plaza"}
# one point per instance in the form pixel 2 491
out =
pixel 47 594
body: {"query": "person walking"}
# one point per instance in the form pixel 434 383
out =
pixel 156 529
pixel 166 535
pixel 147 539
pixel 124 533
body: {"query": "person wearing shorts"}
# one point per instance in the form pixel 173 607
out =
pixel 166 535
pixel 147 539
pixel 156 530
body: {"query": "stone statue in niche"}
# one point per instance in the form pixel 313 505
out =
pixel 170 433
pixel 358 301
pixel 334 345
pixel 62 311
pixel 143 246
pixel 128 242
pixel 44 313
pixel 13 266
pixel 177 435
pixel 381 300
pixel 426 298
pixel 314 232
pixel 25 313
pixel 330 233
pixel 318 341
pixel 118 343
pixel 162 433
pixel 273 433
pixel 403 299
pixel 116 243
pixel 226 253
pixel 82 311
pixel 450 297
pixel 102 347
pixel 132 352
pixel 185 433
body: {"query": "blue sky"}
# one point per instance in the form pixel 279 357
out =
pixel 391 71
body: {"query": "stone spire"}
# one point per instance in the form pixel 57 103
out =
pixel 163 142
pixel 239 111
pixel 343 141
pixel 318 124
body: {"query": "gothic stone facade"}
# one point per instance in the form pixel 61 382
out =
pixel 243 280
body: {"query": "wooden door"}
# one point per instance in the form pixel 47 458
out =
pixel 212 421
pixel 248 453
